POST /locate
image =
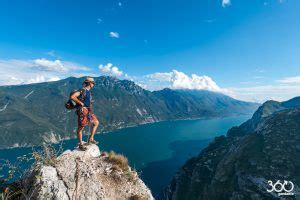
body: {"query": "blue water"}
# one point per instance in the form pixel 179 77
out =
pixel 155 150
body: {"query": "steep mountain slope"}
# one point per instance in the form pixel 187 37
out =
pixel 195 103
pixel 31 114
pixel 263 111
pixel 240 165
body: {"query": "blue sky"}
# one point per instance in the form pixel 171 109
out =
pixel 248 49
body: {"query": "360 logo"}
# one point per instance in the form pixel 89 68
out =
pixel 285 188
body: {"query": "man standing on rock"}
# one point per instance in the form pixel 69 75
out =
pixel 83 99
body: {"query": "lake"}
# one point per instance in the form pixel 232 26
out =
pixel 155 150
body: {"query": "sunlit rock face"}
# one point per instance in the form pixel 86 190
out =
pixel 85 175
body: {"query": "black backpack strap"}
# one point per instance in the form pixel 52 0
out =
pixel 82 93
pixel 82 90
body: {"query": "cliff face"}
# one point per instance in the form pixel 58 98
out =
pixel 239 166
pixel 85 175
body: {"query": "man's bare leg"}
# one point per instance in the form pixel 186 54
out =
pixel 79 135
pixel 93 130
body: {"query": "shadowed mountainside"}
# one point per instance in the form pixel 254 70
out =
pixel 239 165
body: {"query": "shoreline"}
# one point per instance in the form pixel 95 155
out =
pixel 131 126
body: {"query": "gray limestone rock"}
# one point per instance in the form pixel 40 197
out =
pixel 85 175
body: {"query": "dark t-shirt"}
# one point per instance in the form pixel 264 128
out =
pixel 87 98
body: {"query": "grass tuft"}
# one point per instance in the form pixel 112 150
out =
pixel 136 197
pixel 119 160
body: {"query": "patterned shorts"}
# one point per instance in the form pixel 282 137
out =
pixel 85 117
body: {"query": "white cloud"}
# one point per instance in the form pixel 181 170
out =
pixel 294 79
pixel 48 65
pixel 41 78
pixel 179 80
pixel 161 76
pixel 142 86
pixel 14 72
pixel 99 21
pixel 127 76
pixel 114 34
pixel 56 65
pixel 226 3
pixel 115 71
pixel 110 69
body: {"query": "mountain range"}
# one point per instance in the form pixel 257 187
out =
pixel 33 113
pixel 242 164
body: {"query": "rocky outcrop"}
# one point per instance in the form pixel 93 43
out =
pixel 85 175
pixel 240 165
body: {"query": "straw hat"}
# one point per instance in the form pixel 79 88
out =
pixel 89 80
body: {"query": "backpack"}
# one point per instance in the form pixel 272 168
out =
pixel 70 104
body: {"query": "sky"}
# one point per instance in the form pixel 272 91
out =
pixel 248 49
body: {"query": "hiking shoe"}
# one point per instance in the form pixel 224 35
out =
pixel 82 147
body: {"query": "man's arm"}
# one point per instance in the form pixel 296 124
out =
pixel 75 96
